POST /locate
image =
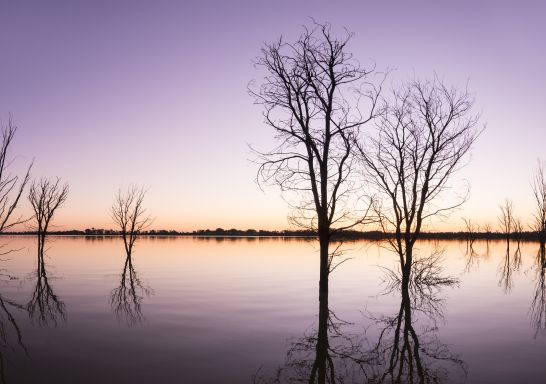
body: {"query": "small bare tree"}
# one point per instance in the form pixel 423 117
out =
pixel 422 136
pixel 471 229
pixel 11 186
pixel 539 191
pixel 305 95
pixel 506 218
pixel 487 229
pixel 46 196
pixel 130 216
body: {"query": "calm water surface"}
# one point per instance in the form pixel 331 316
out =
pixel 193 310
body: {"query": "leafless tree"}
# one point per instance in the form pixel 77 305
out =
pixel 471 229
pixel 518 229
pixel 488 230
pixel 129 214
pixel 46 196
pixel 11 186
pixel 314 93
pixel 539 191
pixel 506 218
pixel 422 136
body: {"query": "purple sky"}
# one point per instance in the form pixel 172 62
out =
pixel 107 93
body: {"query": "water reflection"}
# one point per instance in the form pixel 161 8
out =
pixel 509 264
pixel 406 352
pixel 126 299
pixel 11 337
pixel 400 348
pixel 538 303
pixel 44 307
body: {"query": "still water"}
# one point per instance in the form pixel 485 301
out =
pixel 205 310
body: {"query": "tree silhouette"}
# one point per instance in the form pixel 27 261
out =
pixel 422 136
pixel 305 95
pixel 11 186
pixel 45 197
pixel 129 214
pixel 506 218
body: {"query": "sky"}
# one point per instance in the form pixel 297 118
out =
pixel 109 93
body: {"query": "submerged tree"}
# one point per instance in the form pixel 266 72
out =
pixel 11 186
pixel 305 95
pixel 46 196
pixel 129 214
pixel 422 136
pixel 506 218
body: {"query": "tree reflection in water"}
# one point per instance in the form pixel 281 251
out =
pixel 45 307
pixel 11 338
pixel 510 264
pixel 538 303
pixel 408 353
pixel 402 348
pixel 126 299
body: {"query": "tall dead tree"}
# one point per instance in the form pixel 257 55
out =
pixel 539 192
pixel 11 186
pixel 130 216
pixel 45 197
pixel 305 95
pixel 422 136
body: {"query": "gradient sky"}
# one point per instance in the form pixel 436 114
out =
pixel 108 93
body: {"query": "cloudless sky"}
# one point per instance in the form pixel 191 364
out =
pixel 108 93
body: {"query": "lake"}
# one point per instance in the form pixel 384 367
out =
pixel 232 310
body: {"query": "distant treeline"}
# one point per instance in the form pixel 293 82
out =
pixel 344 235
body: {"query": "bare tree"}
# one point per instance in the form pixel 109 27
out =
pixel 487 229
pixel 518 229
pixel 506 218
pixel 11 186
pixel 422 136
pixel 129 214
pixel 305 98
pixel 46 196
pixel 471 229
pixel 539 191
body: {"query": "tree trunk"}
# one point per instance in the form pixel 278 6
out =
pixel 324 240
pixel 321 360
